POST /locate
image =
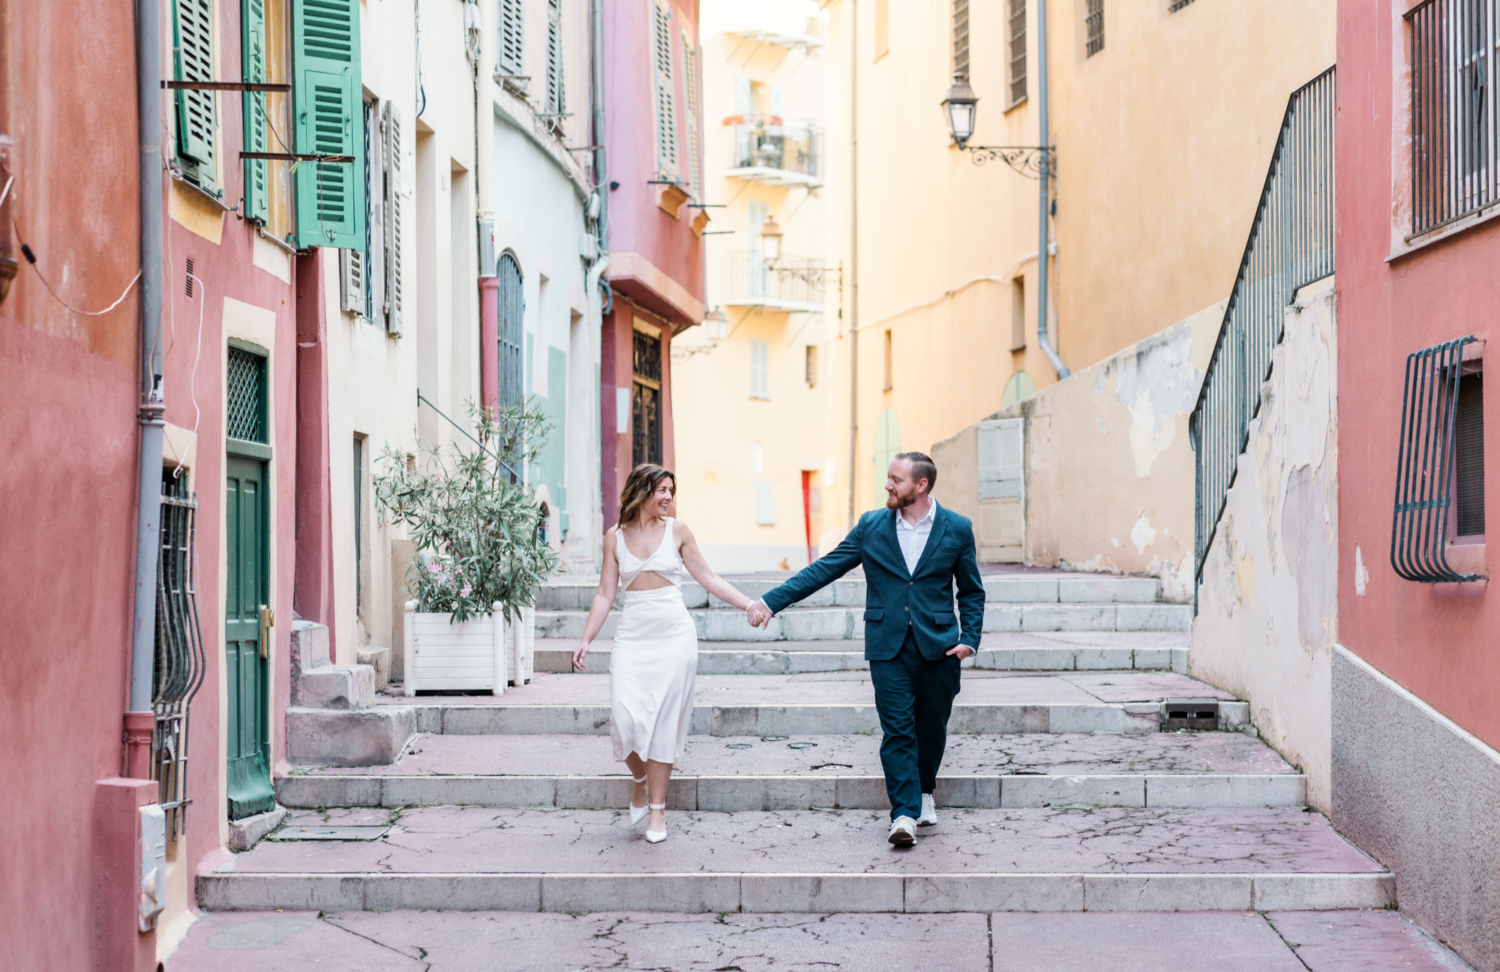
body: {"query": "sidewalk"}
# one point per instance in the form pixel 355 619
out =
pixel 408 941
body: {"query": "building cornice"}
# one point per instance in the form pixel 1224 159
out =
pixel 639 279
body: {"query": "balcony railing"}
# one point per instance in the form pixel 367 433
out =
pixel 795 284
pixel 785 153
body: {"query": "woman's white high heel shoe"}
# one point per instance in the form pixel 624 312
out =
pixel 636 813
pixel 655 836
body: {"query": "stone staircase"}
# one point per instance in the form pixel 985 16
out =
pixel 333 719
pixel 1060 790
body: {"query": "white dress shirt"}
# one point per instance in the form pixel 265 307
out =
pixel 913 536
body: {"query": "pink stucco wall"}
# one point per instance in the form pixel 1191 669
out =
pixel 1439 641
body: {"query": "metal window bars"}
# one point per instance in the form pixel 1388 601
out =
pixel 1290 246
pixel 179 664
pixel 1455 122
pixel 1093 23
pixel 1425 465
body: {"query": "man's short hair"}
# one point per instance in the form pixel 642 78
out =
pixel 922 467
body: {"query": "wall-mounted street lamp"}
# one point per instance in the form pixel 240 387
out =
pixel 770 241
pixel 962 107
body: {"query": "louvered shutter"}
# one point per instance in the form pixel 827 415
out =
pixel 352 291
pixel 511 38
pixel 257 187
pixel 327 106
pixel 554 58
pixel 393 176
pixel 690 96
pixel 197 111
pixel 760 368
pixel 744 106
pixel 666 109
pixel 374 212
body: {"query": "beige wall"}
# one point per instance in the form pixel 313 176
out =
pixel 1163 141
pixel 1267 607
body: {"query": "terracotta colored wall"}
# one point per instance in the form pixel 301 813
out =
pixel 1439 641
pixel 67 484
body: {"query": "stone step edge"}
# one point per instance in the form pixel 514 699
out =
pixel 729 794
pixel 807 892
pixel 815 719
pixel 767 659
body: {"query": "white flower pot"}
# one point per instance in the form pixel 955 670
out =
pixel 442 655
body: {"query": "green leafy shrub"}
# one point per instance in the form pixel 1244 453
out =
pixel 476 525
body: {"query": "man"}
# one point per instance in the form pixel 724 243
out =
pixel 913 552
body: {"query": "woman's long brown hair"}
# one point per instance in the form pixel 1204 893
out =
pixel 640 486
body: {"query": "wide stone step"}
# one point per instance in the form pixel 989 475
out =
pixel 1028 588
pixel 799 657
pixel 573 861
pixel 804 623
pixel 783 773
pixel 837 703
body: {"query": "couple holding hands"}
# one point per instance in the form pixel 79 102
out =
pixel 915 555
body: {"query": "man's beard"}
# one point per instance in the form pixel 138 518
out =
pixel 895 501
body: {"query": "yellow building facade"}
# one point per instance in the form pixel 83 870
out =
pixel 752 463
pixel 1163 115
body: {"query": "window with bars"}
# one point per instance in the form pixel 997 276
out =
pixel 961 37
pixel 1177 5
pixel 179 665
pixel 645 399
pixel 1455 123
pixel 1017 30
pixel 1093 25
pixel 1440 462
pixel 245 397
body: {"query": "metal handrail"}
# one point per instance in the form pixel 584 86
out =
pixel 1290 246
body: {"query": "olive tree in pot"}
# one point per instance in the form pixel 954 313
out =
pixel 477 528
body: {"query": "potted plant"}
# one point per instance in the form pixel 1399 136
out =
pixel 477 528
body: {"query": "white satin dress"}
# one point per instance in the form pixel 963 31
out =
pixel 655 658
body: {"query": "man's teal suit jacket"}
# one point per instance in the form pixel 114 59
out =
pixel 896 599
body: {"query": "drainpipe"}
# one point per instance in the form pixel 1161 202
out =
pixel 1044 253
pixel 601 188
pixel 484 149
pixel 853 252
pixel 594 287
pixel 139 720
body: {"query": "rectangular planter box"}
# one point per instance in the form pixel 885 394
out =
pixel 443 655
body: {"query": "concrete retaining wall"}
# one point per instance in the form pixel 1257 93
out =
pixel 1267 607
pixel 1108 468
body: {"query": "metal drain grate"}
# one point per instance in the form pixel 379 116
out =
pixel 1190 714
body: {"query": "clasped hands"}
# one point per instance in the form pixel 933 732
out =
pixel 758 615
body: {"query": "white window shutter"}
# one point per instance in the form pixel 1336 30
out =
pixel 393 159
pixel 765 505
pixel 554 60
pixel 512 34
pixel 760 369
pixel 352 293
pixel 666 107
pixel 1001 459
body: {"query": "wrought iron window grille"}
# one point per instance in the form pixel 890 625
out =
pixel 1426 465
pixel 1455 120
pixel 179 668
pixel 1291 245
pixel 1093 22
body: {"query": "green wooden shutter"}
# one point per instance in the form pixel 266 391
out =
pixel 197 114
pixel 257 187
pixel 327 103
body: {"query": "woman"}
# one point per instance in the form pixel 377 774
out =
pixel 655 658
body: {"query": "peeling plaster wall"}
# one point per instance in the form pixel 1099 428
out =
pixel 1268 607
pixel 1109 469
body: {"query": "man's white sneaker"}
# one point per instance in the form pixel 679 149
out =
pixel 929 811
pixel 903 832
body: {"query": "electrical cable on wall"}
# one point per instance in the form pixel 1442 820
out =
pixel 30 255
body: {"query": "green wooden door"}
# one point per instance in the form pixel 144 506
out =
pixel 248 672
